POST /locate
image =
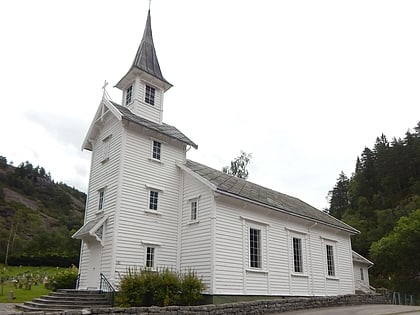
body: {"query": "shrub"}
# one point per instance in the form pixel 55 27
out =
pixel 163 287
pixel 66 279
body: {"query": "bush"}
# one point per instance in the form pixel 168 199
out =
pixel 163 287
pixel 66 279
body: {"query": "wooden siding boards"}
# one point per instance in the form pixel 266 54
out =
pixel 137 228
pixel 196 244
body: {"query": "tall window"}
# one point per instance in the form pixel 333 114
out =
pixel 101 199
pixel 153 200
pixel 330 260
pixel 106 143
pixel 255 248
pixel 297 254
pixel 150 95
pixel 156 150
pixel 129 95
pixel 150 257
pixel 194 210
pixel 362 275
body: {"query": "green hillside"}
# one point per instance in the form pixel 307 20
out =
pixel 37 217
pixel 382 200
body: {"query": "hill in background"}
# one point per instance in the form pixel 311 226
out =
pixel 37 217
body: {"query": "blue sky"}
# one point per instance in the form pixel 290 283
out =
pixel 302 85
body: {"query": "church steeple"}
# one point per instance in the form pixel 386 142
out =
pixel 143 85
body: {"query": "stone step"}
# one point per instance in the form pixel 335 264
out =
pixel 66 300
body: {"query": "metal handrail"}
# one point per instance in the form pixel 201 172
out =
pixel 106 288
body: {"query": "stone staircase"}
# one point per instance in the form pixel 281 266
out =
pixel 66 299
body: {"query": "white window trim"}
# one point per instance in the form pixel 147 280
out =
pixel 154 245
pixel 333 243
pixel 293 233
pixel 261 250
pixel 162 144
pixel 197 215
pixel 126 93
pixel 147 84
pixel 160 191
pixel 106 145
pixel 100 206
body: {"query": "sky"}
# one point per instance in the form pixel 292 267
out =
pixel 304 86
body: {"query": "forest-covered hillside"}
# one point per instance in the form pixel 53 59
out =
pixel 382 200
pixel 37 217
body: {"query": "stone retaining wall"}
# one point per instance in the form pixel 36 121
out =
pixel 240 308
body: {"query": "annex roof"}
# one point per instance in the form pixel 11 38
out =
pixel 359 258
pixel 243 189
pixel 163 128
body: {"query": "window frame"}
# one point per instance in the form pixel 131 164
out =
pixel 330 260
pixel 298 261
pixel 156 150
pixel 106 145
pixel 129 95
pixel 101 200
pixel 362 274
pixel 150 257
pixel 153 203
pixel 194 206
pixel 255 248
pixel 149 94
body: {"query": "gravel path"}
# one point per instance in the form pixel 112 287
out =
pixel 8 308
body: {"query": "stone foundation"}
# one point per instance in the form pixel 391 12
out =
pixel 241 308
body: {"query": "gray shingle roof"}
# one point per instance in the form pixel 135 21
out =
pixel 146 58
pixel 262 195
pixel 163 128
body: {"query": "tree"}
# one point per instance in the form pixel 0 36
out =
pixel 338 197
pixel 397 255
pixel 238 165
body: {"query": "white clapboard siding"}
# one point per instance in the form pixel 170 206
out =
pixel 143 109
pixel 196 237
pixel 277 277
pixel 138 228
pixel 103 175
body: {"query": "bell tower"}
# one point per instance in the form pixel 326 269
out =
pixel 143 86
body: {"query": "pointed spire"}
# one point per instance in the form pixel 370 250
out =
pixel 146 57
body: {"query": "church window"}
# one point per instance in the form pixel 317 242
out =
pixel 153 200
pixel 99 232
pixel 150 257
pixel 101 199
pixel 194 210
pixel 129 95
pixel 330 260
pixel 255 248
pixel 156 150
pixel 362 275
pixel 297 255
pixel 150 95
pixel 106 143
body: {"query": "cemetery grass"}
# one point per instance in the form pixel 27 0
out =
pixel 24 283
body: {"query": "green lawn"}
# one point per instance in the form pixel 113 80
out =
pixel 24 283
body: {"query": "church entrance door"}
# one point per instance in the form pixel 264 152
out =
pixel 94 267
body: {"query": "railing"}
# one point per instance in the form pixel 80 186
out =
pixel 77 282
pixel 106 287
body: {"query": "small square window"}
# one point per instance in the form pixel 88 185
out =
pixel 194 210
pixel 150 257
pixel 150 95
pixel 153 200
pixel 156 150
pixel 129 95
pixel 101 199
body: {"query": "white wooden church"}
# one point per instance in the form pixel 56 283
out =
pixel 149 206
